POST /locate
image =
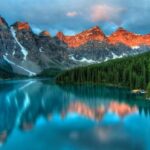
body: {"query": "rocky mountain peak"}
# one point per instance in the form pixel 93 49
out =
pixel 28 53
pixel 121 32
pixel 3 23
pixel 60 36
pixel 121 29
pixel 45 34
pixel 129 38
pixel 22 26
pixel 92 34
pixel 94 29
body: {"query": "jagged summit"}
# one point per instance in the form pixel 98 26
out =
pixel 128 38
pixel 28 53
pixel 45 34
pixel 94 28
pixel 60 35
pixel 21 26
pixel 3 22
pixel 94 31
pixel 121 29
pixel 79 39
pixel 121 35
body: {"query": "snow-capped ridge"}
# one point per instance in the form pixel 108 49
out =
pixel 23 50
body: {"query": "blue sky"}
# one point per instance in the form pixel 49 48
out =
pixel 73 16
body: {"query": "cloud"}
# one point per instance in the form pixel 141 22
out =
pixel 77 15
pixel 105 13
pixel 72 14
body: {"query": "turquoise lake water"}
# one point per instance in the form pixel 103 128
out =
pixel 40 115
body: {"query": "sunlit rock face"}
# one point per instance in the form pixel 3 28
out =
pixel 93 46
pixel 94 33
pixel 128 38
pixel 29 53
pixel 60 36
pixel 22 26
pixel 45 33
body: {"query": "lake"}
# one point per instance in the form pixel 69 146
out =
pixel 40 115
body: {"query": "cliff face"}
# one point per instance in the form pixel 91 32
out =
pixel 28 53
pixel 45 33
pixel 128 38
pixel 94 33
pixel 22 26
pixel 7 43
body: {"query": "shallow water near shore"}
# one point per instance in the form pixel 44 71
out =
pixel 38 114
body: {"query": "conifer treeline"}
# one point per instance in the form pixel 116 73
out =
pixel 133 72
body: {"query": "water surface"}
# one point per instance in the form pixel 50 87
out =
pixel 40 115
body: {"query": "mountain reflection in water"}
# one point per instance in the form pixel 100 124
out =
pixel 74 112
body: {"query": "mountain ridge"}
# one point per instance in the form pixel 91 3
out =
pixel 121 35
pixel 29 54
pixel 94 33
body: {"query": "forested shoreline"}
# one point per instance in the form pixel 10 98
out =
pixel 132 72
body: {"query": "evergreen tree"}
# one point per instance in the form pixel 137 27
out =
pixel 133 72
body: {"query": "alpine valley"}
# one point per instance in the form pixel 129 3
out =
pixel 23 52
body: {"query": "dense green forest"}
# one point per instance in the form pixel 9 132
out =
pixel 5 74
pixel 133 72
pixel 51 72
pixel 148 90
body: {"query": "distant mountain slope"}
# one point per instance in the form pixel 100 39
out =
pixel 77 40
pixel 6 71
pixel 121 35
pixel 128 38
pixel 29 54
pixel 133 72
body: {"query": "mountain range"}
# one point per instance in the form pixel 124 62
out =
pixel 24 52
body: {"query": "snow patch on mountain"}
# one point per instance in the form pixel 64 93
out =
pixel 40 50
pixel 83 60
pixel 106 59
pixel 114 55
pixel 23 50
pixel 118 56
pixel 135 47
pixel 87 60
pixel 10 62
